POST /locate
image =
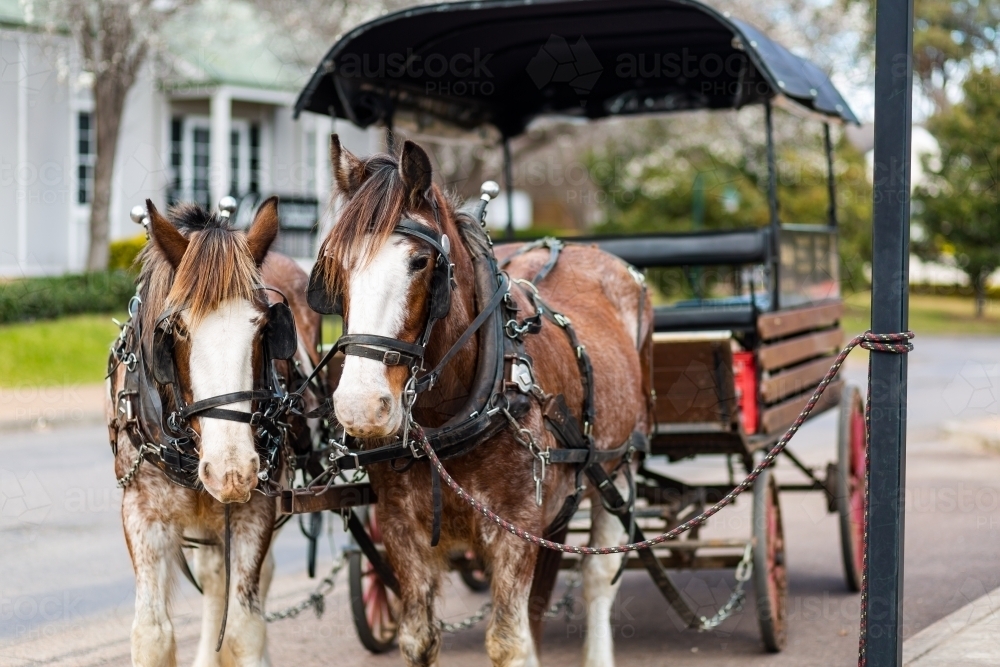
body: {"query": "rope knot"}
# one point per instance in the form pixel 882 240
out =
pixel 894 343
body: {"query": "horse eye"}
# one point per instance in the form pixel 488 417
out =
pixel 418 263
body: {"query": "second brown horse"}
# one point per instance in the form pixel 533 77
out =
pixel 384 281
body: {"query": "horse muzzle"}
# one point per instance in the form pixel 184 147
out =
pixel 229 483
pixel 368 414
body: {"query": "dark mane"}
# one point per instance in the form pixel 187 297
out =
pixel 366 221
pixel 217 266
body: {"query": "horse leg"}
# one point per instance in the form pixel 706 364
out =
pixel 245 642
pixel 209 569
pixel 419 634
pixel 508 637
pixel 152 545
pixel 598 591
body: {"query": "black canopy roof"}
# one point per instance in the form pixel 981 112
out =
pixel 505 62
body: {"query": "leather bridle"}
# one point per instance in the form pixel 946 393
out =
pixel 280 342
pixel 395 352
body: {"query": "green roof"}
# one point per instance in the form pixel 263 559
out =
pixel 227 42
pixel 11 13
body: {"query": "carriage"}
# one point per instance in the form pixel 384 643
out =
pixel 733 366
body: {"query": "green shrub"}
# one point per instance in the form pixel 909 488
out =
pixel 124 251
pixel 46 298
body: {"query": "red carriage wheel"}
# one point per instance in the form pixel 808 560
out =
pixel 850 490
pixel 769 574
pixel 373 606
pixel 474 574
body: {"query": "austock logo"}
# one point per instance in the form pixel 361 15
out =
pixel 22 499
pixel 559 62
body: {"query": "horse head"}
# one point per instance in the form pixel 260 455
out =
pixel 211 333
pixel 386 267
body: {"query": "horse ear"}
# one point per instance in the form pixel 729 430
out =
pixel 165 236
pixel 415 168
pixel 263 230
pixel 348 170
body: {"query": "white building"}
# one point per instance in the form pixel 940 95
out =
pixel 210 115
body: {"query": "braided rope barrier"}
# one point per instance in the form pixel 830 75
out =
pixel 893 343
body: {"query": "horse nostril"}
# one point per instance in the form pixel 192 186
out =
pixel 205 471
pixel 386 404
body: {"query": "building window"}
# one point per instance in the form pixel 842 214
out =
pixel 200 191
pixel 176 159
pixel 254 157
pixel 86 154
pixel 234 163
pixel 310 170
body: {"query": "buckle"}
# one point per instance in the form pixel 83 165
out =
pixel 255 418
pixel 170 456
pixel 391 358
pixel 561 320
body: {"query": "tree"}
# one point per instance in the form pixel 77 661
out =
pixel 114 37
pixel 683 179
pixel 958 203
pixel 947 35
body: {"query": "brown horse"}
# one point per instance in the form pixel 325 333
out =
pixel 384 281
pixel 210 278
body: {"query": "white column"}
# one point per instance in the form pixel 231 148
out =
pixel 218 156
pixel 21 169
pixel 322 164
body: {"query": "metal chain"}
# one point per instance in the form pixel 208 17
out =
pixel 130 475
pixel 467 623
pixel 735 603
pixel 316 599
pixel 539 458
pixel 565 603
pixel 897 343
pixel 554 610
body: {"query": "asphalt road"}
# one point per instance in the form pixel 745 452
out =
pixel 66 582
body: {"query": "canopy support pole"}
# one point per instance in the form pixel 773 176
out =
pixel 772 204
pixel 508 176
pixel 882 633
pixel 831 178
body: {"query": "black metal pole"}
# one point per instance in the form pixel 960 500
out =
pixel 890 302
pixel 508 175
pixel 772 204
pixel 831 178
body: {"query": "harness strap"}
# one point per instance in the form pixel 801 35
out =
pixel 436 505
pixel 228 555
pixel 207 404
pixel 637 442
pixel 428 380
pixel 424 233
pixel 398 353
pixel 554 245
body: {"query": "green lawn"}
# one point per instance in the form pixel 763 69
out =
pixel 943 315
pixel 69 350
pixel 74 350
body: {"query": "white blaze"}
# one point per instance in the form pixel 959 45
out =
pixel 221 362
pixel 378 304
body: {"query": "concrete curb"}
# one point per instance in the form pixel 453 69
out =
pixel 984 432
pixel 969 637
pixel 42 407
pixel 42 423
